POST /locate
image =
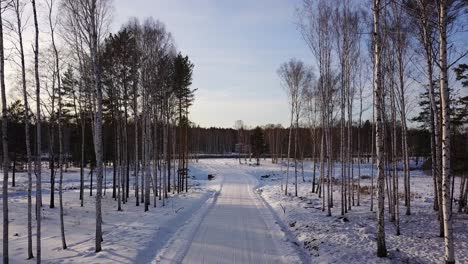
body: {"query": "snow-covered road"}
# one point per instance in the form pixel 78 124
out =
pixel 237 227
pixel 233 230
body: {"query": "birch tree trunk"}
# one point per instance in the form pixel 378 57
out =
pixel 342 142
pixel 372 161
pixel 59 120
pixel 425 10
pixel 98 121
pixel 349 146
pixel 295 150
pixel 445 109
pixel 394 161
pixel 289 153
pixel 83 130
pixel 143 154
pixel 404 135
pixel 51 132
pixel 435 128
pixel 146 165
pixel 322 164
pixel 165 151
pixel 359 142
pixel 437 145
pixel 381 247
pixel 18 11
pixel 5 146
pixel 135 121
pixel 118 157
pixel 125 138
pixel 328 139
pixel 401 46
pixel 38 137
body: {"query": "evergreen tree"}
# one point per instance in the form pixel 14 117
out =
pixel 183 70
pixel 257 140
pixel 461 108
pixel 182 74
pixel 69 86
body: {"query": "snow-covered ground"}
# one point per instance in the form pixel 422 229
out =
pixel 352 240
pixel 130 236
pixel 239 217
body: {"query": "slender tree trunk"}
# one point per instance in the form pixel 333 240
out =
pixel 437 150
pixel 314 160
pixel 322 165
pixel 154 151
pixel 328 140
pixel 349 156
pixel 60 132
pixel 82 163
pixel 13 172
pixel 144 146
pixel 51 133
pixel 381 247
pixel 372 161
pixel 135 120
pixel 62 223
pixel 404 128
pixel 342 141
pixel 186 153
pixel 51 152
pixel 168 158
pixel 436 155
pixel 114 160
pixel 165 151
pixel 289 154
pixel 143 154
pixel 359 149
pixel 38 137
pixel 295 152
pixel 5 146
pixel 118 160
pixel 394 161
pixel 26 124
pixel 445 109
pixel 126 152
pixel 91 180
pixel 98 121
pixel 179 166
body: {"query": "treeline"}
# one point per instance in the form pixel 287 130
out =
pixel 213 140
pixel 223 141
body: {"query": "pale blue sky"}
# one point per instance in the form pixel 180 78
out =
pixel 236 47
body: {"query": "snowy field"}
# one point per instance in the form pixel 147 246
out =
pixel 239 217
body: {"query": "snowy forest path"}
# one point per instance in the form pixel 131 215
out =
pixel 236 228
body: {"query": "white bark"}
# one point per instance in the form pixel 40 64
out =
pixel 98 120
pixel 18 11
pixel 445 109
pixel 60 132
pixel 5 146
pixel 135 120
pixel 381 247
pixel 38 138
